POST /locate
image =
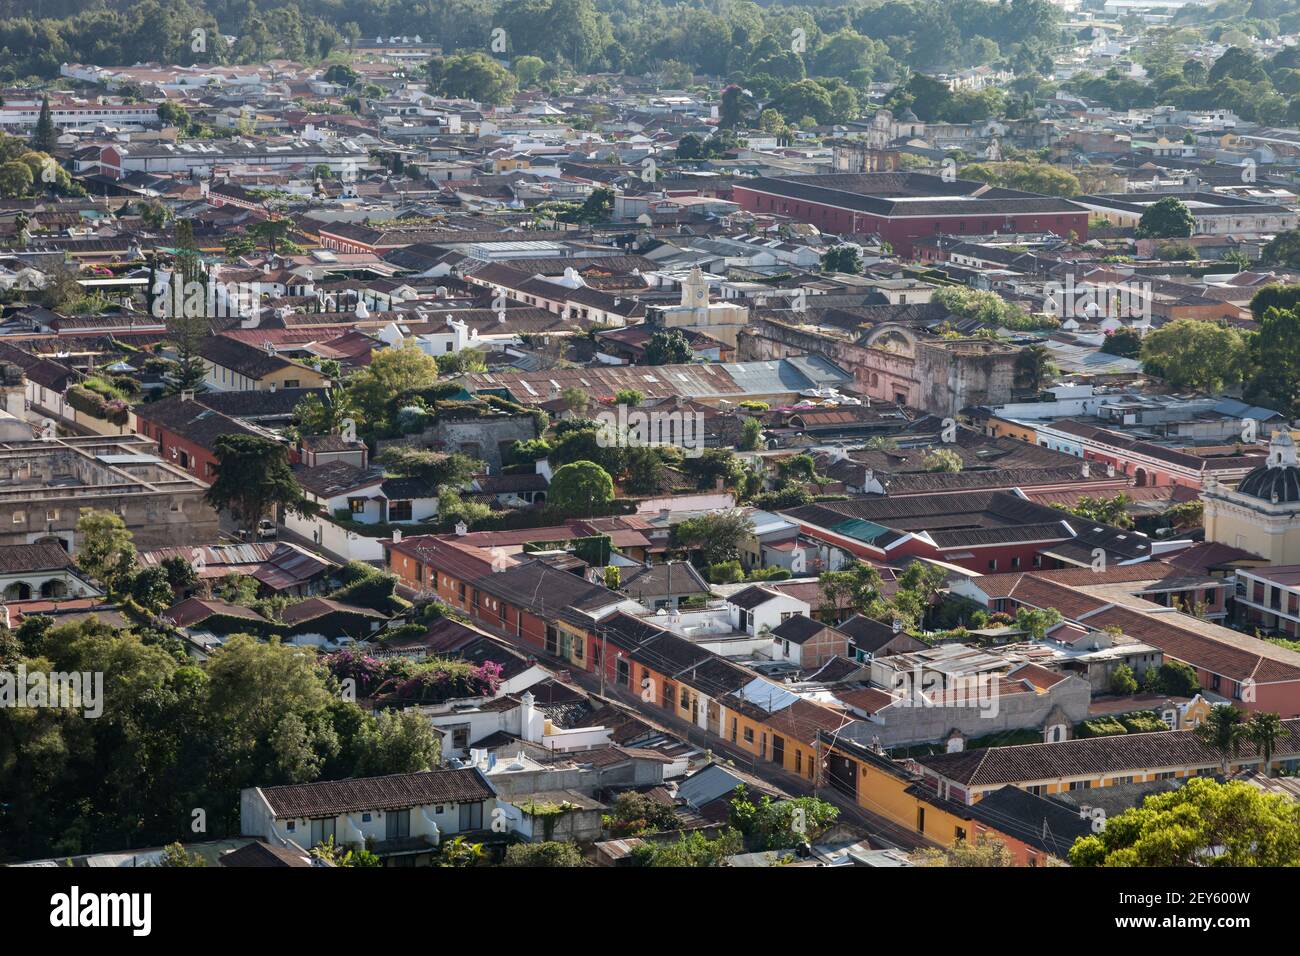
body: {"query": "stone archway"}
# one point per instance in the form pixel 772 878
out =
pixel 892 338
pixel 54 588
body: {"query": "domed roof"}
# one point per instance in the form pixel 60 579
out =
pixel 907 116
pixel 1279 479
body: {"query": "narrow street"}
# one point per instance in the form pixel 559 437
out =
pixel 883 832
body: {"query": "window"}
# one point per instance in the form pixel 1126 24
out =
pixel 471 816
pixel 460 737
pixel 365 818
pixel 290 383
pixel 397 824
pixel 399 511
pixel 668 694
pixel 959 833
pixel 357 505
pixel 749 735
pixel 52 514
pixel 322 831
pixel 1015 562
pixel 686 698
pixel 993 564
pixel 552 640
pixel 1080 784
pixel 622 672
pixel 798 761
pixel 20 517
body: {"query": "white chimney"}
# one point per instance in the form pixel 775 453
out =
pixel 530 724
pixel 397 536
pixel 462 529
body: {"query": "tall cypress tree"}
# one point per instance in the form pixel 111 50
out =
pixel 44 138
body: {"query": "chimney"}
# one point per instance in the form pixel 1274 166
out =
pixel 397 536
pixel 187 395
pixel 1087 470
pixel 527 713
pixel 462 529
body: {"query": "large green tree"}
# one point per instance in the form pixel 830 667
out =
pixel 1203 823
pixel 253 477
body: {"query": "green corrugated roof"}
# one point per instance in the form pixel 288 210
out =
pixel 860 529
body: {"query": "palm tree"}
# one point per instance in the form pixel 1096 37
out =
pixel 1223 731
pixel 1263 731
pixel 1033 366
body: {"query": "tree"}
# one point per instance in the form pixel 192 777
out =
pixel 1122 681
pixel 1264 730
pixel 690 146
pixel 634 814
pixel 574 398
pixel 105 550
pixel 270 232
pixel 15 179
pixel 44 136
pixel 459 852
pixel 842 259
pixel 1190 353
pixel 644 470
pixel 1034 366
pixel 985 851
pixel 734 105
pixel 437 468
pixel 549 853
pixel 1173 678
pixel 473 76
pixel 691 849
pixel 1282 250
pixel 580 487
pixel 717 535
pixel 1203 823
pixel 1036 622
pixel 629 397
pixel 857 587
pixel 528 70
pixel 1274 350
pixel 253 476
pixel 668 347
pixel 341 74
pixel 1223 731
pixel 1035 177
pixel 151 589
pixel 464 362
pixel 941 459
pixel 336 855
pixel 777 825
pixel 1168 218
pixel 1126 343
pixel 175 856
pixel 751 434
pixel 399 741
pixel 391 372
pixel 1111 511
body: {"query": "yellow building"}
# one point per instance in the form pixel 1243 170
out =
pixel 1262 514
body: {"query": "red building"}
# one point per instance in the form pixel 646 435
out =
pixel 901 207
pixel 186 431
